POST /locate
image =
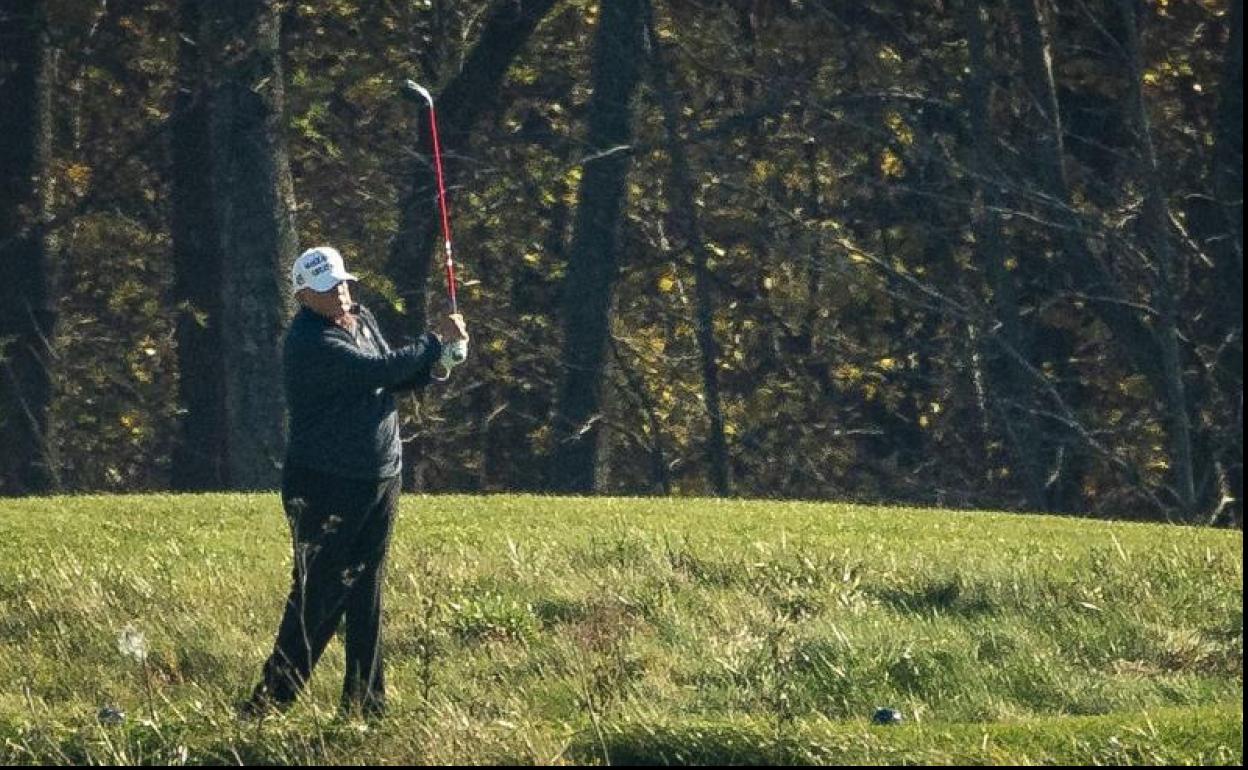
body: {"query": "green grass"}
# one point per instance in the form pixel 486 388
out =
pixel 547 630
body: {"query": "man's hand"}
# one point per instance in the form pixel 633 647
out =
pixel 451 328
pixel 452 331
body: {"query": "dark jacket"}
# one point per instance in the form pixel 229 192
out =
pixel 339 388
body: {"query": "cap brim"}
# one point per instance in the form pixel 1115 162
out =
pixel 327 281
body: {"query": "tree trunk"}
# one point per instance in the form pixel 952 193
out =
pixel 199 461
pixel 1038 75
pixel 1156 227
pixel 593 258
pixel 685 216
pixel 28 291
pixel 659 474
pixel 1057 446
pixel 1008 352
pixel 1076 265
pixel 1227 170
pixel 254 204
pixel 1216 223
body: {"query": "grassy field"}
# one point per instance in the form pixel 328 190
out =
pixel 561 630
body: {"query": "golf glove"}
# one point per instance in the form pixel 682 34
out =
pixel 454 354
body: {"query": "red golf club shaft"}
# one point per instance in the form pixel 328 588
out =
pixel 446 220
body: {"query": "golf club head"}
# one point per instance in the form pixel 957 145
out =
pixel 111 715
pixel 416 92
pixel 887 716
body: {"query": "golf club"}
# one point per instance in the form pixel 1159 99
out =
pixel 457 351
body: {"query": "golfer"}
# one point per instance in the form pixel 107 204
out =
pixel 340 485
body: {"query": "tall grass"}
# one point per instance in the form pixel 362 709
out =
pixel 530 629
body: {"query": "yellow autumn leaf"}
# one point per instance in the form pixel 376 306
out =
pixel 891 165
pixel 79 176
pixel 900 129
pixel 888 54
pixel 666 283
pixel 848 372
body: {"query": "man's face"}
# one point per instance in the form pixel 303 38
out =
pixel 332 304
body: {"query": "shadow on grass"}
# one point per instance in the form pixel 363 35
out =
pixel 1206 735
pixel 948 595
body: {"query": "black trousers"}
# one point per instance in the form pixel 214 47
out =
pixel 341 532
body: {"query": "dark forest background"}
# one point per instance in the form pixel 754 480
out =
pixel 946 253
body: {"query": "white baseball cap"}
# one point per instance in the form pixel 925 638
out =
pixel 319 269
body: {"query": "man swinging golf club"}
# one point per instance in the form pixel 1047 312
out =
pixel 340 485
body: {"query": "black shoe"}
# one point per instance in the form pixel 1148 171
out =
pixel 261 705
pixel 371 709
